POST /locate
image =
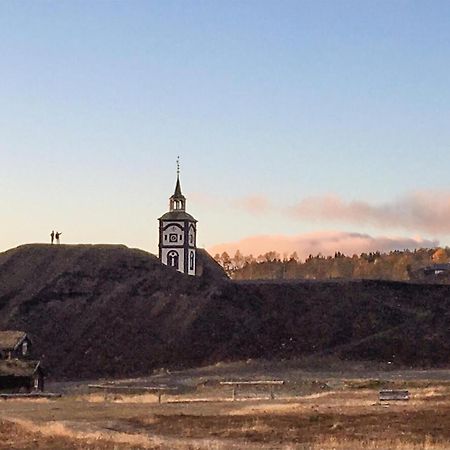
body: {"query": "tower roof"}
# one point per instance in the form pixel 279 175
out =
pixel 177 215
pixel 177 193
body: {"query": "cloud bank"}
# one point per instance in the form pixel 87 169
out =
pixel 324 242
pixel 426 211
pixel 422 211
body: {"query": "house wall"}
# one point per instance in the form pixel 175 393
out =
pixel 23 351
pixel 38 381
pixel 15 384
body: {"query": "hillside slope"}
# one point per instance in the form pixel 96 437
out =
pixel 109 310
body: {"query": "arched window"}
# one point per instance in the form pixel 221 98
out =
pixel 191 261
pixel 173 258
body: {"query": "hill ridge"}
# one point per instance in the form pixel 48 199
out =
pixel 107 310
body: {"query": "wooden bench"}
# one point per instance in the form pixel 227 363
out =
pixel 30 395
pixel 236 384
pixel 393 395
pixel 159 390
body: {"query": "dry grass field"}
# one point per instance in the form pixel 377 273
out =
pixel 313 410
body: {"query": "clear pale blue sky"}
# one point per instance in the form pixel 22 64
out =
pixel 281 99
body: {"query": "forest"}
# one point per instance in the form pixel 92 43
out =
pixel 396 265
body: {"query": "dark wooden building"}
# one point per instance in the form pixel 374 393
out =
pixel 17 372
pixel 14 344
pixel 437 269
pixel 20 376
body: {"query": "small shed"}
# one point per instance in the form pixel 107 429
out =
pixel 437 269
pixel 14 344
pixel 21 376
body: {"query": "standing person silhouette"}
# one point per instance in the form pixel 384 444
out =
pixel 52 236
pixel 57 235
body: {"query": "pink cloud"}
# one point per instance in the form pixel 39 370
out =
pixel 421 211
pixel 254 204
pixel 426 211
pixel 324 242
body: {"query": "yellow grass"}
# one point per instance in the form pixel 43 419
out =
pixel 62 430
pixel 395 444
pixel 59 429
pixel 118 398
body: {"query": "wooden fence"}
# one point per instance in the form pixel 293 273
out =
pixel 158 390
pixel 237 384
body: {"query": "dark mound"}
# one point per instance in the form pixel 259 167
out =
pixel 109 310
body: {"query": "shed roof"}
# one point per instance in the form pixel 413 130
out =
pixel 444 266
pixel 18 368
pixel 440 266
pixel 10 340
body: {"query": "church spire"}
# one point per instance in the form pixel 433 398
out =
pixel 177 192
pixel 178 200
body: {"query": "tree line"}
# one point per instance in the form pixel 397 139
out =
pixel 395 265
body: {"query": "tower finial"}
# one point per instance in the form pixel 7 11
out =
pixel 177 192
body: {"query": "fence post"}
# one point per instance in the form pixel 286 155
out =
pixel 272 395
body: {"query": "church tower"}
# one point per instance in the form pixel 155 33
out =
pixel 178 233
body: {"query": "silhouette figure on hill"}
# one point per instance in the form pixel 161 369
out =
pixel 52 237
pixel 57 235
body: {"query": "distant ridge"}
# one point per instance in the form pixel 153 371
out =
pixel 107 310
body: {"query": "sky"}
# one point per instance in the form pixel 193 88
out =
pixel 301 125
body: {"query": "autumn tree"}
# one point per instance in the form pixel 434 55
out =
pixel 440 256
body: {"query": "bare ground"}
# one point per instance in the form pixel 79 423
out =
pixel 329 413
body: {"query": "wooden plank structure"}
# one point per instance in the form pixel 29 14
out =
pixel 159 390
pixel 393 395
pixel 30 395
pixel 236 384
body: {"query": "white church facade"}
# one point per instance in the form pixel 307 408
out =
pixel 178 234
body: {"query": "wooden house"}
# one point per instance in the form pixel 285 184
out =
pixel 21 376
pixel 437 269
pixel 14 344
